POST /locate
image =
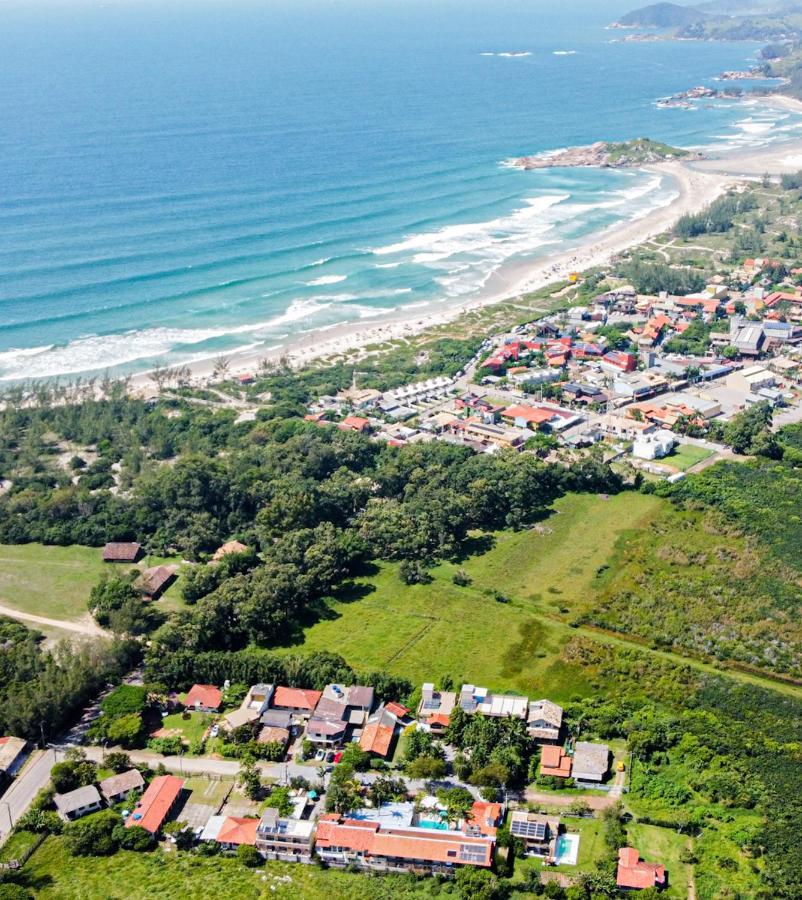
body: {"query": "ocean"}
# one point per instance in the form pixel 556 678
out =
pixel 184 180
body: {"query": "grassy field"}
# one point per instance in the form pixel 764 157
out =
pixel 55 582
pixel 189 730
pixel 663 846
pixel 427 631
pixel 52 874
pixel 686 455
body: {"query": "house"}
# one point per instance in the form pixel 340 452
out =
pixel 473 429
pixel 270 734
pixel 115 552
pixel 474 699
pixel 156 804
pixel 354 423
pixel 227 549
pixel 276 718
pixel 544 721
pixel 235 831
pixel 377 736
pixel 284 839
pixel 527 416
pixel 118 787
pixel 554 762
pixel 654 446
pixel 254 704
pixel 12 756
pixel 153 582
pixel 750 379
pixel 399 712
pixel 375 846
pixel 538 832
pixel 435 702
pixel 634 874
pixel 616 361
pixel 298 701
pixel 438 723
pixel 484 819
pixel 357 699
pixel 77 803
pixel 204 698
pixel 325 732
pixel 591 762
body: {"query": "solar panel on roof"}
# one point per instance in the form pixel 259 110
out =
pixel 431 704
pixel 471 853
pixel 536 830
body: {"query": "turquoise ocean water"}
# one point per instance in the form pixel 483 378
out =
pixel 180 180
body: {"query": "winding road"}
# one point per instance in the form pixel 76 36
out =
pixel 86 626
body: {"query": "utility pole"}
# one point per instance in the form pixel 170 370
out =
pixel 10 820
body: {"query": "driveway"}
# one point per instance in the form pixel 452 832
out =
pixel 18 798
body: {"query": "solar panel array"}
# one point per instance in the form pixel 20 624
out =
pixel 536 830
pixel 472 853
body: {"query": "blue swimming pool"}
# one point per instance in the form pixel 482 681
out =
pixel 567 850
pixel 428 823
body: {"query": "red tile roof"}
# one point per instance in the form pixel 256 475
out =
pixel 238 831
pixel 155 804
pixel 397 710
pixel 121 552
pixel 404 843
pixel 296 698
pixel 532 414
pixel 439 719
pixel 376 738
pixel 554 762
pixel 355 423
pixel 634 873
pixel 485 817
pixel 206 695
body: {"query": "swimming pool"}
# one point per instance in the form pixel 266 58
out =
pixel 567 850
pixel 428 823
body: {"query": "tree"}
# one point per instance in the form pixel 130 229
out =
pixel 40 821
pixel 426 768
pixel 126 730
pixel 744 427
pixel 134 838
pixel 458 802
pixel 356 757
pixel 118 762
pixel 479 884
pixel 249 856
pixel 92 836
pixel 281 800
pixel 250 780
pixel 385 789
pixel 343 795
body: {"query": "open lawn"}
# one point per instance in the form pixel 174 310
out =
pixel 52 874
pixel 424 632
pixel 686 455
pixel 663 846
pixel 591 848
pixel 56 581
pixel 189 730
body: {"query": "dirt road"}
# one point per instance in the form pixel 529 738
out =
pixel 86 626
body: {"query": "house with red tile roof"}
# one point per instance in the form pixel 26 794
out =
pixel 299 701
pixel 554 762
pixel 236 831
pixel 354 423
pixel 156 804
pixel 204 697
pixel 527 416
pixel 635 874
pixel 484 819
pixel 374 846
pixel 377 736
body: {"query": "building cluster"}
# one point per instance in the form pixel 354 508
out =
pixel 564 376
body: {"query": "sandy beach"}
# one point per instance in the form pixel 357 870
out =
pixel 696 185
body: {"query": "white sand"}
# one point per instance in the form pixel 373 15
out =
pixel 697 185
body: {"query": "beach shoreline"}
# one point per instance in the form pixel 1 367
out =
pixel 697 184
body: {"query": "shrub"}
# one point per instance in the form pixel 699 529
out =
pixel 249 856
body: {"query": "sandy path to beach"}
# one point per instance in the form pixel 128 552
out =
pixel 696 184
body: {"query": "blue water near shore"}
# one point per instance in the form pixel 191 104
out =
pixel 183 180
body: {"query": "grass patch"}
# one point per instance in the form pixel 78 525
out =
pixel 663 846
pixel 55 582
pixel 52 874
pixel 424 632
pixel 189 730
pixel 686 455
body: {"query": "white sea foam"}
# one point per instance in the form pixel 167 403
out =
pixel 322 262
pixel 326 279
pixel 515 54
pixel 394 265
pixel 564 53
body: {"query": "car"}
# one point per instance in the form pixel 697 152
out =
pixel 320 756
pixel 215 731
pixel 330 756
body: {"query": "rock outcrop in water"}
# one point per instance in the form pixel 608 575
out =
pixel 604 155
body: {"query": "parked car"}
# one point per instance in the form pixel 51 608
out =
pixel 320 756
pixel 215 731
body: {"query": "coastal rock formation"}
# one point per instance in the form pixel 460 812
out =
pixel 605 155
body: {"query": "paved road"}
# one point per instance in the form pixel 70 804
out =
pixel 16 800
pixel 86 626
